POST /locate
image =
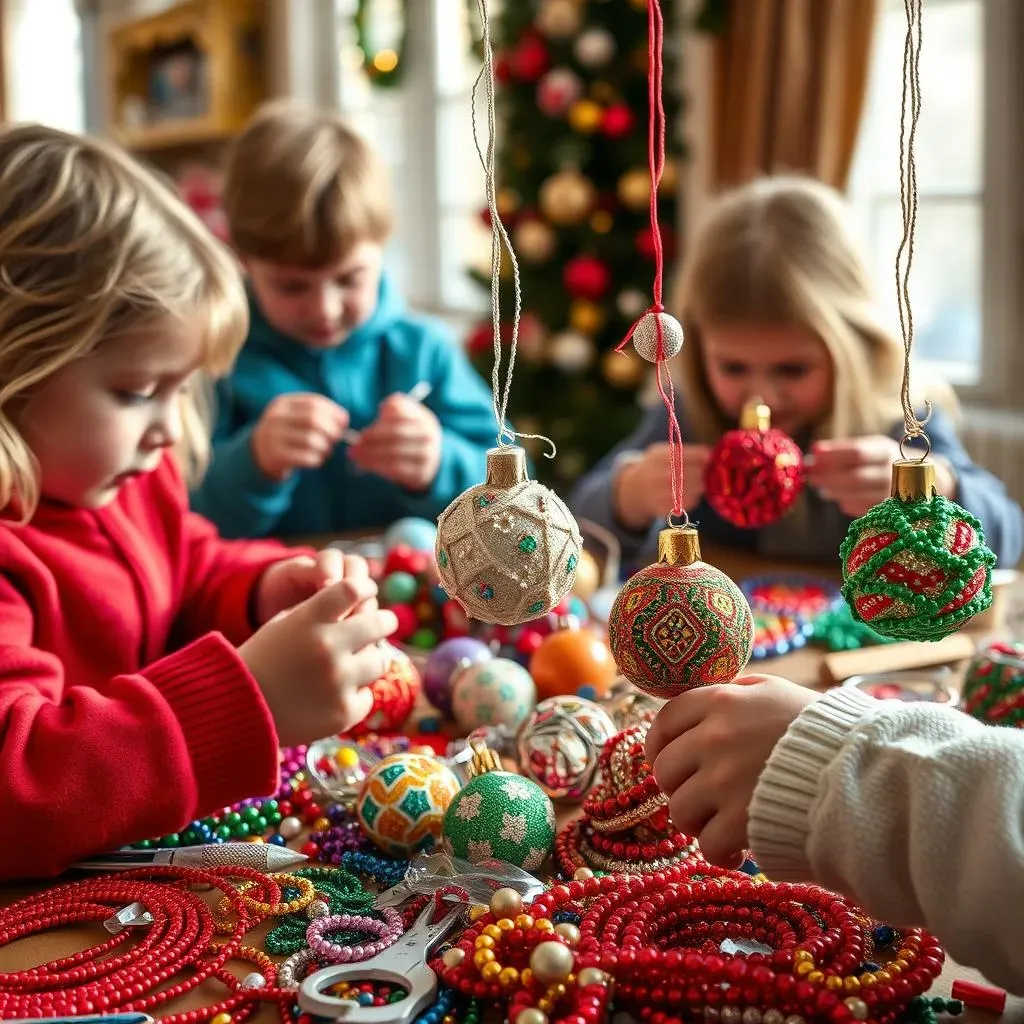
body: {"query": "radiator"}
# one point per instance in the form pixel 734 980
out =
pixel 995 440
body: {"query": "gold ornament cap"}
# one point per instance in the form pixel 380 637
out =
pixel 756 416
pixel 679 545
pixel 913 479
pixel 484 759
pixel 506 466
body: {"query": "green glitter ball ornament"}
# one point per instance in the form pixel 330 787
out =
pixel 916 567
pixel 500 815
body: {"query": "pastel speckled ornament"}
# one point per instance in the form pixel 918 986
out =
pixel 394 695
pixel 680 623
pixel 418 534
pixel 994 684
pixel 445 662
pixel 403 800
pixel 495 692
pixel 507 550
pixel 499 814
pixel 916 567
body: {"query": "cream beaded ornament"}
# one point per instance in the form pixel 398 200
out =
pixel 657 336
pixel 507 549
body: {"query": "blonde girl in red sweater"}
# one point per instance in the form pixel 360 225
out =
pixel 147 671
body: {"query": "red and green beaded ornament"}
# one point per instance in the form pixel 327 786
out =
pixel 754 474
pixel 916 567
pixel 994 684
pixel 680 623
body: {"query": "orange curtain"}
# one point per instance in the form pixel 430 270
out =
pixel 789 83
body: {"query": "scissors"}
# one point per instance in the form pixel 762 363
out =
pixel 404 964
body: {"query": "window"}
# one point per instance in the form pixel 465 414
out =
pixel 962 283
pixel 421 128
pixel 45 79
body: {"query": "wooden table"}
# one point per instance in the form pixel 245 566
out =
pixel 803 666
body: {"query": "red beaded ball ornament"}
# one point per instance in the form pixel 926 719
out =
pixel 394 695
pixel 680 623
pixel 754 474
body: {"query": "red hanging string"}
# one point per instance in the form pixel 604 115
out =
pixel 656 165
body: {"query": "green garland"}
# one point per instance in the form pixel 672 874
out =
pixel 383 65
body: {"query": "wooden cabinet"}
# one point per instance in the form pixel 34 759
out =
pixel 189 75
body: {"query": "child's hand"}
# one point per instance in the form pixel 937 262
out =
pixel 297 431
pixel 643 489
pixel 708 747
pixel 314 663
pixel 288 583
pixel 403 445
pixel 855 473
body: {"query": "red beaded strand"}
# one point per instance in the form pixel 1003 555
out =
pixel 131 969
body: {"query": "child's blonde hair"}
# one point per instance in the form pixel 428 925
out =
pixel 302 188
pixel 92 245
pixel 779 252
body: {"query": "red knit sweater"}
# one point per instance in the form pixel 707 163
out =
pixel 125 710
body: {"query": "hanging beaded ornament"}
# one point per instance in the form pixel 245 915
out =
pixel 754 474
pixel 507 549
pixel 994 684
pixel 916 566
pixel 680 623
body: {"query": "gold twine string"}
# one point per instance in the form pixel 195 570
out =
pixel 911 103
pixel 500 391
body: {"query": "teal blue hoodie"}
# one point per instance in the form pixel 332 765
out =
pixel 391 352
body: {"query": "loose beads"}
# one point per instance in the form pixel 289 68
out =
pixel 383 870
pixel 660 937
pixel 130 970
pixel 388 932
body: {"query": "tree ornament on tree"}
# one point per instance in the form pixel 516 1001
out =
pixel 558 19
pixel 585 116
pixel 634 188
pixel 754 474
pixel 534 240
pixel 506 549
pixel 567 197
pixel 680 623
pixel 571 352
pixel 586 277
pixel 557 91
pixel 594 47
pixel 529 60
pixel 916 566
pixel 618 121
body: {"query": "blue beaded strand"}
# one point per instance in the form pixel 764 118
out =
pixel 382 870
pixel 442 1006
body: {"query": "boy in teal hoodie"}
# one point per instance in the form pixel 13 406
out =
pixel 316 429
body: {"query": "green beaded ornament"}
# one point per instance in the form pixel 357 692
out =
pixel 501 815
pixel 916 567
pixel 993 688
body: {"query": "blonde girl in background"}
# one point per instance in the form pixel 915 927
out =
pixel 148 671
pixel 776 302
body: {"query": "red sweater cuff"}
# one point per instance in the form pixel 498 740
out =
pixel 226 723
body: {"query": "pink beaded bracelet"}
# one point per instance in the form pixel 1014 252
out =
pixel 388 931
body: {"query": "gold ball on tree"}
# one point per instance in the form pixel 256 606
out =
pixel 558 19
pixel 585 116
pixel 534 240
pixel 623 369
pixel 585 317
pixel 634 188
pixel 567 197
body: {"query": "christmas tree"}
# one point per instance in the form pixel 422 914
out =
pixel 574 193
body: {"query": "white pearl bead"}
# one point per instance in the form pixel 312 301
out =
pixel 254 980
pixel 751 1015
pixel 795 1018
pixel 645 336
pixel 731 1015
pixel 857 1007
pixel 773 1016
pixel 290 827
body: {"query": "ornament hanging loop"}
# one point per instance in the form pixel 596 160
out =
pixel 683 517
pixel 913 480
pixel 915 456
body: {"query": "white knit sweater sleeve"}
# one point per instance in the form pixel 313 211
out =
pixel 914 810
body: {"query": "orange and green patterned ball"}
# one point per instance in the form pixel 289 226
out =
pixel 916 570
pixel 403 800
pixel 674 627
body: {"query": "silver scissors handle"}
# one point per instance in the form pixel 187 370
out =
pixel 403 965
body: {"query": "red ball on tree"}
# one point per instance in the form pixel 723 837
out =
pixel 529 59
pixel 618 121
pixel 754 474
pixel 586 277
